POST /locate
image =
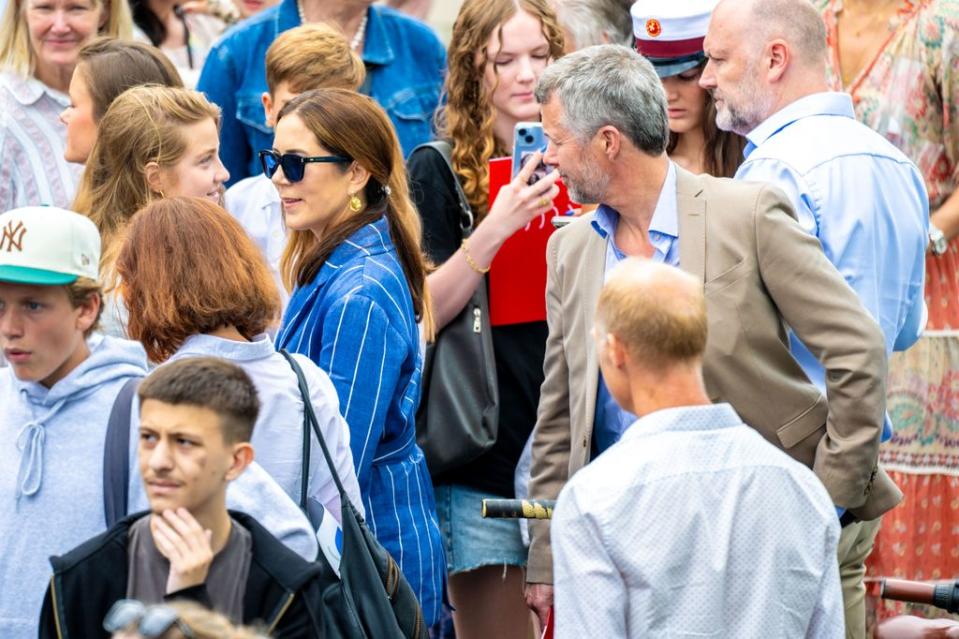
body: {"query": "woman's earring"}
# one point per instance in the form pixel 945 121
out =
pixel 355 203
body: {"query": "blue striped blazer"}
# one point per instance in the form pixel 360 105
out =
pixel 356 321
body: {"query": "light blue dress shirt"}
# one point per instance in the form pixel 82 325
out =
pixel 611 421
pixel 863 199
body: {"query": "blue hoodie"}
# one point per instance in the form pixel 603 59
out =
pixel 48 508
pixel 51 469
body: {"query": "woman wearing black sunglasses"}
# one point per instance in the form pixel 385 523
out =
pixel 354 263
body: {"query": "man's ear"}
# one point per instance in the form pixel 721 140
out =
pixel 616 351
pixel 268 109
pixel 779 57
pixel 610 141
pixel 242 457
pixel 89 311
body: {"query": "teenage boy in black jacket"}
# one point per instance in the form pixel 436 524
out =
pixel 196 418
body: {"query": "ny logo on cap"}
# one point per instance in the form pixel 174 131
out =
pixel 13 236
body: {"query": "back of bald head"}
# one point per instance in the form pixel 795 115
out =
pixel 656 311
pixel 795 21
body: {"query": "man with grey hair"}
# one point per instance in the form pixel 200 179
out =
pixel 852 189
pixel 604 113
pixel 629 561
pixel 589 22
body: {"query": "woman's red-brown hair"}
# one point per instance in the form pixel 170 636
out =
pixel 187 267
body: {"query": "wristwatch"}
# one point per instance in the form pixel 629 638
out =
pixel 937 240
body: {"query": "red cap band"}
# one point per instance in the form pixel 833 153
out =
pixel 669 48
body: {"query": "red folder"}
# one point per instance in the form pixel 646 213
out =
pixel 517 276
pixel 548 628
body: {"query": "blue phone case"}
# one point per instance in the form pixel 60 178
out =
pixel 528 138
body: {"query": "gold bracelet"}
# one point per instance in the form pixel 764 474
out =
pixel 469 260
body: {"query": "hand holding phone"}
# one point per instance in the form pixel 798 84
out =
pixel 518 202
pixel 528 138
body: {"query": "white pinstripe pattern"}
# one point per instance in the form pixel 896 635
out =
pixel 396 514
pixel 419 547
pixel 356 321
pixel 431 516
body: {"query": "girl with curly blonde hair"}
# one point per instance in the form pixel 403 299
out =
pixel 497 52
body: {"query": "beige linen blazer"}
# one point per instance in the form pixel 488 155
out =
pixel 761 272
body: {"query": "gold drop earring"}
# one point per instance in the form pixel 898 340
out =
pixel 355 203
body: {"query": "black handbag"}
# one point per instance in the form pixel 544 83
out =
pixel 371 599
pixel 458 416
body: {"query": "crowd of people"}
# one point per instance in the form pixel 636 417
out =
pixel 233 233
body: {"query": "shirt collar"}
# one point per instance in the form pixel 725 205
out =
pixel 665 218
pixel 825 103
pixel 287 16
pixel 376 40
pixel 685 419
pixel 260 347
pixel 370 240
pixel 271 197
pixel 28 90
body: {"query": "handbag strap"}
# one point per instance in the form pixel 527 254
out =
pixel 466 213
pixel 310 421
pixel 116 454
pixel 305 457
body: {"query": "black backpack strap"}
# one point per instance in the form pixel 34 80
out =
pixel 310 421
pixel 116 455
pixel 446 152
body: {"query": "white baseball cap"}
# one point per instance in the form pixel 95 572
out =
pixel 47 246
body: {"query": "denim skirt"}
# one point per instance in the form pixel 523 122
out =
pixel 471 541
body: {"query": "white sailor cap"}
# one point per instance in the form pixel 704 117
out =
pixel 670 33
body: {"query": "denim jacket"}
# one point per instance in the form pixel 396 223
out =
pixel 404 59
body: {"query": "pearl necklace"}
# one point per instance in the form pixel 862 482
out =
pixel 357 37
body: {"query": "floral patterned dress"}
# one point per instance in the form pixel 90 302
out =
pixel 910 94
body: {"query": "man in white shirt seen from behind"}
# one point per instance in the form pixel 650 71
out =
pixel 692 524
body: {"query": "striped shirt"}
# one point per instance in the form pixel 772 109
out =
pixel 32 143
pixel 356 320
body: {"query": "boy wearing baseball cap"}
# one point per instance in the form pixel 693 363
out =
pixel 56 397
pixel 56 393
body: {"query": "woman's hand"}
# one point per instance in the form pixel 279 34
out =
pixel 186 545
pixel 518 203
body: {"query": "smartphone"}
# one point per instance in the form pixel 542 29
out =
pixel 528 138
pixel 559 221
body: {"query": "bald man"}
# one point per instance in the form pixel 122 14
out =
pixel 691 524
pixel 851 188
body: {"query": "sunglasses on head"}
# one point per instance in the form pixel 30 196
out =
pixel 151 622
pixel 293 165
